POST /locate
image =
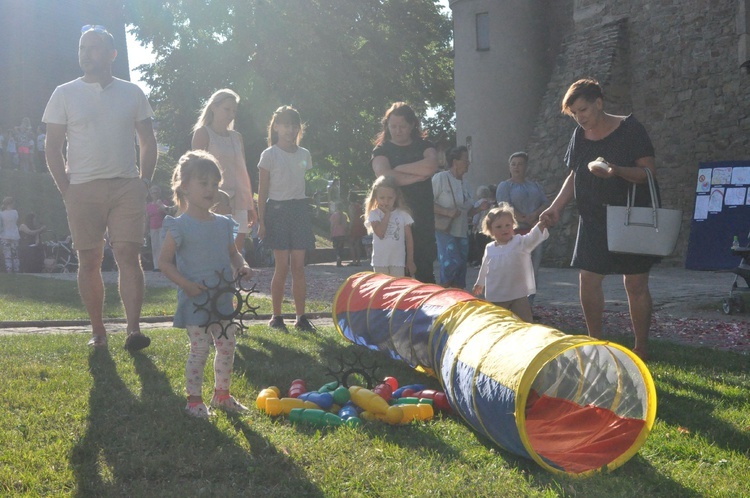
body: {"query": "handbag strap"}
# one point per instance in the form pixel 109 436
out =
pixel 651 187
pixel 654 201
pixel 450 184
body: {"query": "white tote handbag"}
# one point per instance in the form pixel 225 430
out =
pixel 649 231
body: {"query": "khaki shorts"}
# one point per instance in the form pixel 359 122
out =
pixel 117 205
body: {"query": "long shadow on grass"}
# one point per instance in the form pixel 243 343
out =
pixel 263 366
pixel 695 409
pixel 148 447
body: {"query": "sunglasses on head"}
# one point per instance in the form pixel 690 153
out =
pixel 94 27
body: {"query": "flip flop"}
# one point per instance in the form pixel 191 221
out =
pixel 97 341
pixel 136 341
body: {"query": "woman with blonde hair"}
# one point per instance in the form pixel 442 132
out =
pixel 214 132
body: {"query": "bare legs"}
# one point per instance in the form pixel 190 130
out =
pixel 295 258
pixel 91 286
pixel 639 302
pixel 127 256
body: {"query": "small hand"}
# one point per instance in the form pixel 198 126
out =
pixel 477 290
pixel 194 289
pixel 245 272
pixel 549 217
pixel 412 267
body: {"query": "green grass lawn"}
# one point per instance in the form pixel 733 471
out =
pixel 30 298
pixel 105 423
pixel 79 422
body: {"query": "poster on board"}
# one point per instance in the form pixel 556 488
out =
pixel 722 211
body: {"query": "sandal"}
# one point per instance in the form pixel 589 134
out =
pixel 643 355
pixel 136 341
pixel 97 341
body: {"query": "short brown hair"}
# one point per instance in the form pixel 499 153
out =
pixel 587 88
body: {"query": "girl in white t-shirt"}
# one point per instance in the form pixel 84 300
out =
pixel 507 274
pixel 388 218
pixel 284 223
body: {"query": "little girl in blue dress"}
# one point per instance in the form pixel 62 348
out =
pixel 197 252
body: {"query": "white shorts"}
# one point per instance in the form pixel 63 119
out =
pixel 393 271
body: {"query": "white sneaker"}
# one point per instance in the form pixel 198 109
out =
pixel 228 404
pixel 197 410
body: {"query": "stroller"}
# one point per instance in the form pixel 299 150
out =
pixel 734 303
pixel 59 256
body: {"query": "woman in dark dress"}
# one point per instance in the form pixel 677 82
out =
pixel 402 152
pixel 627 149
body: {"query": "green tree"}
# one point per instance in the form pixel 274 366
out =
pixel 340 62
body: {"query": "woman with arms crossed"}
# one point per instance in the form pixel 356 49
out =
pixel 402 152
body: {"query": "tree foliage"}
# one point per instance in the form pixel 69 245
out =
pixel 340 62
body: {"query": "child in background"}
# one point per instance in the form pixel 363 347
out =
pixel 387 217
pixel 284 223
pixel 9 234
pixel 507 274
pixel 357 228
pixel 156 211
pixel 198 247
pixel 10 146
pixel 339 224
pixel 477 239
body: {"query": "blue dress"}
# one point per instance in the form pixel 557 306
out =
pixel 202 254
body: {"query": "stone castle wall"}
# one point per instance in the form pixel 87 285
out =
pixel 674 65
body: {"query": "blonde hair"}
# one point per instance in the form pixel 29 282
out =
pixel 285 115
pixel 387 182
pixel 192 164
pixel 502 209
pixel 7 201
pixel 207 113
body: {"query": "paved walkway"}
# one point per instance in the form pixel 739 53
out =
pixel 687 304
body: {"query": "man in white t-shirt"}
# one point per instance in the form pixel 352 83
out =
pixel 101 185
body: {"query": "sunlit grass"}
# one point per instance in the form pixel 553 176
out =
pixel 31 298
pixel 77 422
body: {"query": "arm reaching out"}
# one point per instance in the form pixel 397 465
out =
pixel 551 216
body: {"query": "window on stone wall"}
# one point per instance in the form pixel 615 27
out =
pixel 483 31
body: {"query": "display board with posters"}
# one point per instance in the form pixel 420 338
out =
pixel 722 211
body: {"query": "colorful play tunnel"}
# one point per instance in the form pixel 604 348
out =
pixel 573 404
